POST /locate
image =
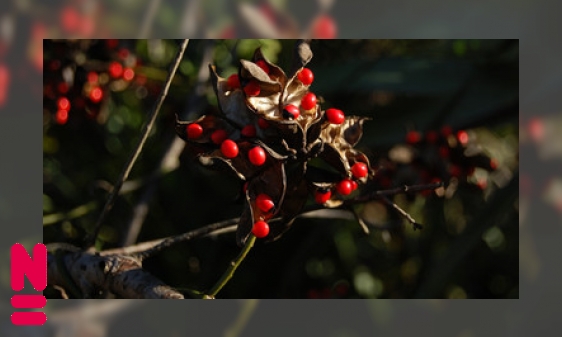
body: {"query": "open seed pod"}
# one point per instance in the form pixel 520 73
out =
pixel 268 128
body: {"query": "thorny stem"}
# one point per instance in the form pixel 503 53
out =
pixel 234 264
pixel 138 148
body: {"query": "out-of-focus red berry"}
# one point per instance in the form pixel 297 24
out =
pixel 324 27
pixel 70 19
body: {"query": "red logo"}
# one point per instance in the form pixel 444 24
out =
pixel 21 265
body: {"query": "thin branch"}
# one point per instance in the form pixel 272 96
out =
pixel 141 252
pixel 403 213
pixel 149 18
pixel 138 148
pixel 244 315
pixel 233 266
pixel 403 189
pixel 147 249
pixel 169 161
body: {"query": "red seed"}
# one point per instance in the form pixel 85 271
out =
pixel 262 123
pixel 446 131
pixel 218 136
pixel 462 136
pixel 63 103
pixel 308 102
pixel 61 117
pixel 264 202
pixel 344 187
pixel 413 137
pixel 257 156
pixel 305 76
pixel 128 74
pixel 263 65
pixel 359 170
pixel 194 131
pixel 248 131
pixel 321 197
pixel 233 82
pixel 260 229
pixel 115 69
pixel 96 95
pixel 252 88
pixel 324 27
pixel 229 148
pixel 291 112
pixel 335 116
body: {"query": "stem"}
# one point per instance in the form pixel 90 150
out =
pixel 148 249
pixel 246 312
pixel 403 213
pixel 233 266
pixel 138 148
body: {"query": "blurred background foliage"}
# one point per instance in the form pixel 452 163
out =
pixel 442 110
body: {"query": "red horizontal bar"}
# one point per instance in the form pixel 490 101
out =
pixel 28 301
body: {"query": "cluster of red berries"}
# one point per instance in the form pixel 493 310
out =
pixel 267 130
pixel 72 86
pixel 438 155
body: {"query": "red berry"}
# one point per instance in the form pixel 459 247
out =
pixel 70 19
pixel 262 123
pixel 248 131
pixel 96 95
pixel 322 196
pixel 354 185
pixel 335 116
pixel 344 187
pixel 493 164
pixel 61 117
pixel 446 131
pixel 92 77
pixel 291 112
pixel 413 137
pixel 194 131
pixel 62 87
pixel 63 103
pixel 536 129
pixel 432 137
pixel 455 171
pixel 359 170
pixel 324 27
pixel 233 82
pixel 263 65
pixel 260 229
pixel 128 74
pixel 257 156
pixel 252 88
pixel 115 69
pixel 229 148
pixel 462 136
pixel 308 102
pixel 218 136
pixel 305 76
pixel 264 202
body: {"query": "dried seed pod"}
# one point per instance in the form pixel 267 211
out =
pixel 291 139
